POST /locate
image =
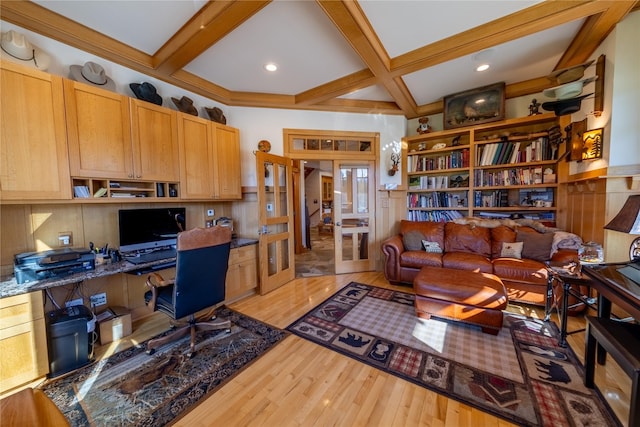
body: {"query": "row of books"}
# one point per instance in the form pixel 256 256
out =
pixel 501 153
pixel 451 160
pixel 82 191
pixel 438 216
pixel 506 177
pixel 438 181
pixel 491 199
pixel 437 199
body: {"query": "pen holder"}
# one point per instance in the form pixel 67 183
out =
pixel 102 259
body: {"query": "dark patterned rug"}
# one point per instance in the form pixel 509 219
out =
pixel 521 375
pixel 133 388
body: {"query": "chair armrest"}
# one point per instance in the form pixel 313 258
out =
pixel 392 248
pixel 153 282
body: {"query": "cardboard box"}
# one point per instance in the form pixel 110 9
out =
pixel 115 324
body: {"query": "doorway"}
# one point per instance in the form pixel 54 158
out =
pixel 316 258
pixel 321 155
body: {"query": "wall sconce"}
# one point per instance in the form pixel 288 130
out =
pixel 628 221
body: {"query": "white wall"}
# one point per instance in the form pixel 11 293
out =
pixel 621 115
pixel 254 123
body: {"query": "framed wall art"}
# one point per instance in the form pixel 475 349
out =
pixel 592 144
pixel 481 105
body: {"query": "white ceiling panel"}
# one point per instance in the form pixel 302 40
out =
pixel 297 36
pixel 403 26
pixel 519 60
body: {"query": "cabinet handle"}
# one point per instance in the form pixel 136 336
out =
pixel 138 176
pixel 130 175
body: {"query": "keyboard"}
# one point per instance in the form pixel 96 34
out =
pixel 151 256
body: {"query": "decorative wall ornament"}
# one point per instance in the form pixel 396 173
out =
pixel 592 143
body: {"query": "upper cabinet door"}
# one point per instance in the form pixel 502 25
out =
pixel 155 142
pixel 195 137
pixel 227 162
pixel 34 163
pixel 99 132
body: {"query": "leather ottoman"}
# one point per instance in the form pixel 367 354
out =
pixel 466 296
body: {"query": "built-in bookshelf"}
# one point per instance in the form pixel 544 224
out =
pixel 494 170
pixel 103 190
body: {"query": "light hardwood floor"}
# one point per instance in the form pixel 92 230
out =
pixel 299 383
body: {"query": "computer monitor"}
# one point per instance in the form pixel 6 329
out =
pixel 149 229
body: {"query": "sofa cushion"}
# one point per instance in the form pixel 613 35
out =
pixel 467 238
pixel 536 246
pixel 520 270
pixel 432 231
pixel 419 259
pixel 431 246
pixel 412 240
pixel 467 261
pixel 500 235
pixel 511 250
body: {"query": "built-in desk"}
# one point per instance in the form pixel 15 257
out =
pixel 22 320
pixel 10 287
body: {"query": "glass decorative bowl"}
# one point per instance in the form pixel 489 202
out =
pixel 590 253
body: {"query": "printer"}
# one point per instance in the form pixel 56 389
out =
pixel 32 266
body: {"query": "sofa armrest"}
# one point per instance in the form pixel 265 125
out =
pixel 392 248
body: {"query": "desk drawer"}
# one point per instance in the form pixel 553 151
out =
pixel 21 309
pixel 241 254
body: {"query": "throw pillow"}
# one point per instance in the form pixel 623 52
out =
pixel 412 240
pixel 512 250
pixel 536 245
pixel 431 247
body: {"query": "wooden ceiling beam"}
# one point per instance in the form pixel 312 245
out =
pixel 344 85
pixel 595 29
pixel 351 21
pixel 38 19
pixel 211 24
pixel 529 21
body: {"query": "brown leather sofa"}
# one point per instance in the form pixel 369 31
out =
pixel 475 248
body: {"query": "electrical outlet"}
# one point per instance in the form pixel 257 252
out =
pixel 73 302
pixel 210 212
pixel 98 299
pixel 65 238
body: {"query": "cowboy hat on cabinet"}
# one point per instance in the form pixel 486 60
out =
pixel 16 48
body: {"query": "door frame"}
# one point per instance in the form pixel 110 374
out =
pixel 294 150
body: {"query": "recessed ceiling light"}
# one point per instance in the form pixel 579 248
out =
pixel 271 67
pixel 482 67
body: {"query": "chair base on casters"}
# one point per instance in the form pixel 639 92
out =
pixel 192 327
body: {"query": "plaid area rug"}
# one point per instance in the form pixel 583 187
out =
pixel 521 375
pixel 133 388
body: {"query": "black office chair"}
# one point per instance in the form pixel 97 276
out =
pixel 201 270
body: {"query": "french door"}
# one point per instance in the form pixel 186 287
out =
pixel 354 201
pixel 275 205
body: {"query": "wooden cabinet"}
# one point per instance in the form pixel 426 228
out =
pixel 114 136
pixel 242 276
pixel 99 132
pixel 23 340
pixel 493 170
pixel 226 152
pixel 155 142
pixel 209 159
pixel 34 163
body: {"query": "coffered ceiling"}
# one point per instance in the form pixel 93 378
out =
pixel 383 56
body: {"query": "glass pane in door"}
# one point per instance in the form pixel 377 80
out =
pixel 282 190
